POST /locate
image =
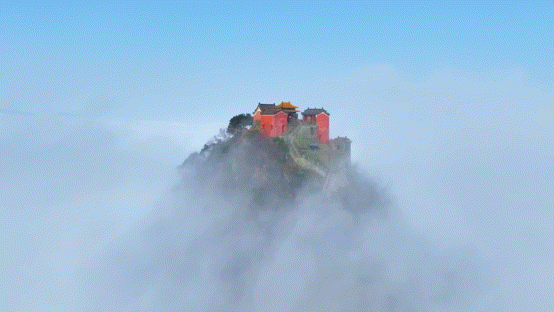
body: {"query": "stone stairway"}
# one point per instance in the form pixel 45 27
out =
pixel 297 156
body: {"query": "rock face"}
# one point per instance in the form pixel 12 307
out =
pixel 250 166
pixel 271 172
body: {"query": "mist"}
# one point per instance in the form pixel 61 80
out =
pixel 214 244
pixel 98 215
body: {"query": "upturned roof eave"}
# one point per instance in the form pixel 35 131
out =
pixel 315 112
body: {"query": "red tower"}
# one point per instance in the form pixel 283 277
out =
pixel 321 118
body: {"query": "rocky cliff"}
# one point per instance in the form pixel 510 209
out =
pixel 267 172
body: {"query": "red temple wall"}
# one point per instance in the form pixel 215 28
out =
pixel 323 128
pixel 273 125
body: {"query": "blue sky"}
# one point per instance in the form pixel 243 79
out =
pixel 449 106
pixel 126 49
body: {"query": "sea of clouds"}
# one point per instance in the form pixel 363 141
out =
pixel 95 215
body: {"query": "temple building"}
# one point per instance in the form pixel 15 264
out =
pixel 320 117
pixel 307 139
pixel 275 119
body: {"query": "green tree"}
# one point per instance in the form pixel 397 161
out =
pixel 238 123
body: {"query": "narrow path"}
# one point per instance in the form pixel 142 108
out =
pixel 297 156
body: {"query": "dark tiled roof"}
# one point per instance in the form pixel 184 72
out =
pixel 272 111
pixel 314 111
pixel 346 139
pixel 264 107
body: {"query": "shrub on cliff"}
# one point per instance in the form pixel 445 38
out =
pixel 238 123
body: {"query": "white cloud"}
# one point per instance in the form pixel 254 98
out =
pixel 467 155
pixel 68 188
pixel 469 158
